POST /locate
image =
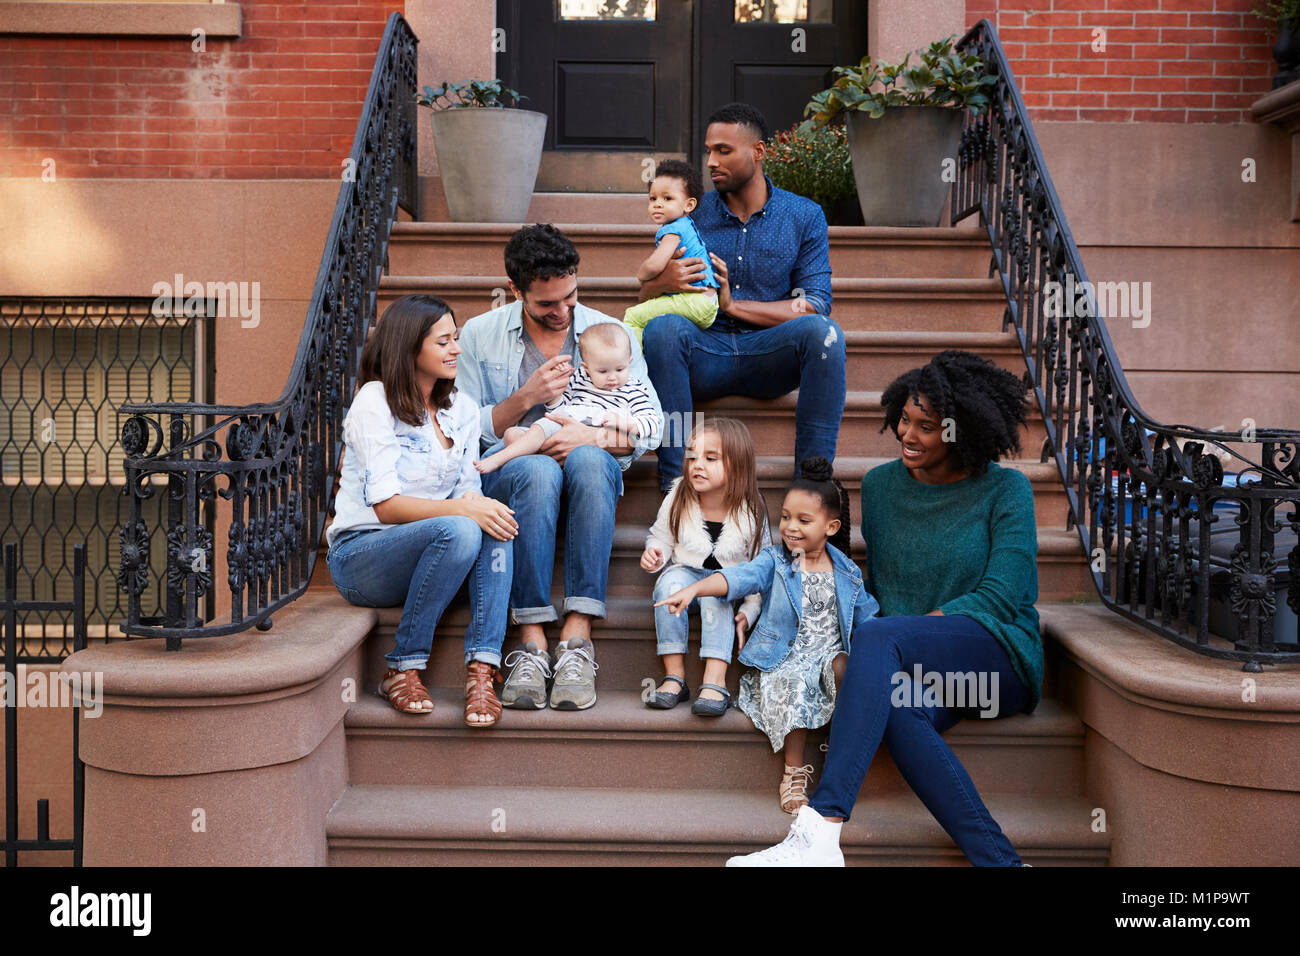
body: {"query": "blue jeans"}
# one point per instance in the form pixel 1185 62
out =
pixel 687 364
pixel 420 565
pixel 717 616
pixel 580 495
pixel 880 701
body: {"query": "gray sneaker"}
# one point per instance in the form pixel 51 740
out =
pixel 525 688
pixel 575 675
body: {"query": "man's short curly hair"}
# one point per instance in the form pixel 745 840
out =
pixel 985 403
pixel 539 252
pixel 741 114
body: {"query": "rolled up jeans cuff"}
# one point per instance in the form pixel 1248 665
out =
pixel 406 663
pixel 533 615
pixel 584 605
pixel 487 657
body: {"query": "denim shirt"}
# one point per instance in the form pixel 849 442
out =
pixel 493 350
pixel 780 582
pixel 385 456
pixel 780 252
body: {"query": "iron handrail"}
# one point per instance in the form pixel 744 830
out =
pixel 276 458
pixel 1135 486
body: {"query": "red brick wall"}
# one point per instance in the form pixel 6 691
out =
pixel 1166 61
pixel 282 101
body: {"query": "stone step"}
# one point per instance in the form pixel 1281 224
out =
pixel 877 305
pixel 641 499
pixel 532 826
pixel 621 743
pixel 624 638
pixel 771 424
pixel 616 250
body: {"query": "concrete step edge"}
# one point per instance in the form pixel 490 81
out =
pixel 622 714
pixel 884 287
pixel 839 235
pixel 539 815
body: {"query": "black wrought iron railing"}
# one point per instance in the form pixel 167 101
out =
pixel 1177 542
pixel 273 462
pixel 54 690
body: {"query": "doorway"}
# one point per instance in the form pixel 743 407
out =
pixel 627 81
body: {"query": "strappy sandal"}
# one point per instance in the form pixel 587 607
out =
pixel 794 787
pixel 712 708
pixel 480 696
pixel 405 691
pixel 663 700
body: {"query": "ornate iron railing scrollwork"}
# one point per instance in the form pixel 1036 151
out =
pixel 1148 500
pixel 271 461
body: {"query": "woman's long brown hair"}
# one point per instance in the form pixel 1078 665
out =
pixel 740 494
pixel 389 356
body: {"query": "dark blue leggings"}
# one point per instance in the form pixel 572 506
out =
pixel 875 704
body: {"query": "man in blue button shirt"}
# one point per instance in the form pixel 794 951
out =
pixel 773 334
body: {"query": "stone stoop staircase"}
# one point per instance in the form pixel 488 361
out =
pixel 623 784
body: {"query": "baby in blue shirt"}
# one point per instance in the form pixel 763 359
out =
pixel 674 193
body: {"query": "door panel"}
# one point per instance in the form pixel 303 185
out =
pixel 613 76
pixel 774 54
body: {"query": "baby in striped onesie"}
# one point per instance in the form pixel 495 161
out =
pixel 601 393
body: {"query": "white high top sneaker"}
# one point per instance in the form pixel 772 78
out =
pixel 812 841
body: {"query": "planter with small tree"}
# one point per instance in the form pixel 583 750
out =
pixel 488 153
pixel 904 121
pixel 815 163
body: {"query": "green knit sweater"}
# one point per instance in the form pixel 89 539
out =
pixel 969 547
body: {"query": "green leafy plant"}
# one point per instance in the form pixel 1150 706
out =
pixel 812 162
pixel 485 94
pixel 1279 11
pixel 944 77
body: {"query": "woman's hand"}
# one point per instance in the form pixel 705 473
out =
pixel 652 559
pixel 678 601
pixel 490 515
pixel 742 626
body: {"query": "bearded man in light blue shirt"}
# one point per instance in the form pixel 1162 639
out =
pixel 515 360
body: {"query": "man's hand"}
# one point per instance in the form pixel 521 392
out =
pixel 724 287
pixel 677 276
pixel 549 381
pixel 573 434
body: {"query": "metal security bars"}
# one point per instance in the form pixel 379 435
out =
pixel 67 366
pixel 272 462
pixel 1177 542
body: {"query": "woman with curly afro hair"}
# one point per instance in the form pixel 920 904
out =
pixel 952 558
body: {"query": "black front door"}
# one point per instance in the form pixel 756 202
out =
pixel 626 82
pixel 612 75
pixel 774 54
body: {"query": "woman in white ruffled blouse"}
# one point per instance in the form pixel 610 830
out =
pixel 411 522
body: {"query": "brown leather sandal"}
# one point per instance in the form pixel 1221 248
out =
pixel 480 696
pixel 405 691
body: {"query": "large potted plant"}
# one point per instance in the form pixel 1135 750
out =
pixel 904 121
pixel 815 163
pixel 1286 51
pixel 488 153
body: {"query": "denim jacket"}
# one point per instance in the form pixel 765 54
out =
pixel 775 576
pixel 488 372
